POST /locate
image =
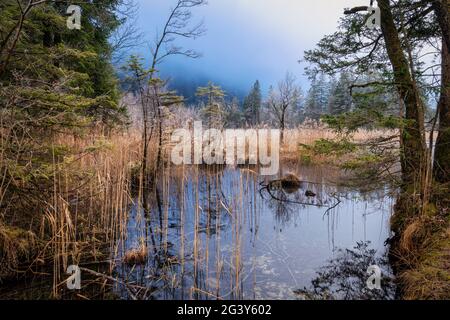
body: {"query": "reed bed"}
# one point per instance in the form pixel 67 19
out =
pixel 309 134
pixel 83 219
pixel 84 211
pixel 87 217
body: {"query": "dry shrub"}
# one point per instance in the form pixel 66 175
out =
pixel 423 254
pixel 16 245
pixel 429 279
pixel 413 233
pixel 136 256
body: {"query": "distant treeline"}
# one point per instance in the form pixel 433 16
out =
pixel 287 104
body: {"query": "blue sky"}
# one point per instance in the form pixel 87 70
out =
pixel 247 39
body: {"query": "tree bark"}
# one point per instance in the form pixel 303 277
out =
pixel 441 8
pixel 442 153
pixel 413 150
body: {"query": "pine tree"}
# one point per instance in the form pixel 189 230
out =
pixel 390 49
pixel 213 111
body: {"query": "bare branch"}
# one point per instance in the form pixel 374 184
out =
pixel 178 25
pixel 356 10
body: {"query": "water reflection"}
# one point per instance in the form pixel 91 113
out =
pixel 345 277
pixel 221 233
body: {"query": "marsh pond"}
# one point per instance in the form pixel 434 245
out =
pixel 228 233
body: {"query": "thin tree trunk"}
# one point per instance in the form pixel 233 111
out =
pixel 145 142
pixel 160 130
pixel 283 126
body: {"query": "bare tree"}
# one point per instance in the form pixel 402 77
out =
pixel 127 36
pixel 179 24
pixel 281 101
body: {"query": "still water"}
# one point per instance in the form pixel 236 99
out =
pixel 218 233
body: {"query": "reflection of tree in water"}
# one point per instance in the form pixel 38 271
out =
pixel 288 195
pixel 213 203
pixel 345 277
pixel 283 209
pixel 194 235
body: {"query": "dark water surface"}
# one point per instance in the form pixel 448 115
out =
pixel 216 234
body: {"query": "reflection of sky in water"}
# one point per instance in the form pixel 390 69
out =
pixel 278 247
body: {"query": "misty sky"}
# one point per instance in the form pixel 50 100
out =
pixel 248 39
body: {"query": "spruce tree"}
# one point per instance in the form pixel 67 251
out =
pixel 53 81
pixel 252 105
pixel 316 103
pixel 340 98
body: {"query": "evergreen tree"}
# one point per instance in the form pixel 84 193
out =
pixel 340 100
pixel 52 80
pixel 393 50
pixel 317 99
pixel 332 98
pixel 50 61
pixel 213 110
pixel 252 105
pixel 234 115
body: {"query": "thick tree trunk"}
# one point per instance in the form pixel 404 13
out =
pixel 441 9
pixel 442 154
pixel 413 157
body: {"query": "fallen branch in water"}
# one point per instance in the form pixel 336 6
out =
pixel 127 286
pixel 268 188
pixel 291 201
pixel 334 206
